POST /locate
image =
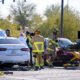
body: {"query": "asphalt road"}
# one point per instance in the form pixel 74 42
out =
pixel 56 73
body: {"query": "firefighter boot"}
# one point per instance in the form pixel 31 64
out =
pixel 36 68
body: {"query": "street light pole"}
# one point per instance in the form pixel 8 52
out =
pixel 61 23
pixel 2 1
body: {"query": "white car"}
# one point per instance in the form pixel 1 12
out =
pixel 2 33
pixel 13 51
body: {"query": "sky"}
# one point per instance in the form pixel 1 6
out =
pixel 40 5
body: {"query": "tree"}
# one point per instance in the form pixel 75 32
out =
pixel 53 15
pixel 52 10
pixel 6 24
pixel 22 13
pixel 71 23
pixel 36 20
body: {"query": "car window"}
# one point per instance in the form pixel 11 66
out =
pixel 67 42
pixel 2 33
pixel 10 41
pixel 61 44
pixel 64 42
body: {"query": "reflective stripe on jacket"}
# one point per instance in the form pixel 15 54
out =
pixel 38 47
pixel 38 43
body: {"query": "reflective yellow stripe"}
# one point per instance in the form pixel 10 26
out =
pixel 75 56
pixel 1 73
pixel 36 62
pixel 37 49
pixel 49 49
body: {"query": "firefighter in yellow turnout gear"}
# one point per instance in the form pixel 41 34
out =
pixel 51 51
pixel 38 49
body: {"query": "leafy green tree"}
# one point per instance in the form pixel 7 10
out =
pixel 71 26
pixel 53 20
pixel 70 22
pixel 22 13
pixel 5 24
pixel 36 20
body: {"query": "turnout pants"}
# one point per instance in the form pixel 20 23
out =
pixel 38 60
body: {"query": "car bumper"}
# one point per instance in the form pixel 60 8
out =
pixel 14 59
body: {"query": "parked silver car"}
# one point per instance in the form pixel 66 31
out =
pixel 13 51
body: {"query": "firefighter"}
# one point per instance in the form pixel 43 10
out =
pixel 38 49
pixel 51 52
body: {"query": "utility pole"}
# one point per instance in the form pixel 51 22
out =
pixel 61 23
pixel 13 0
pixel 24 0
pixel 2 1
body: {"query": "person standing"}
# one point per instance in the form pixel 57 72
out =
pixel 29 43
pixel 50 49
pixel 8 32
pixel 38 49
